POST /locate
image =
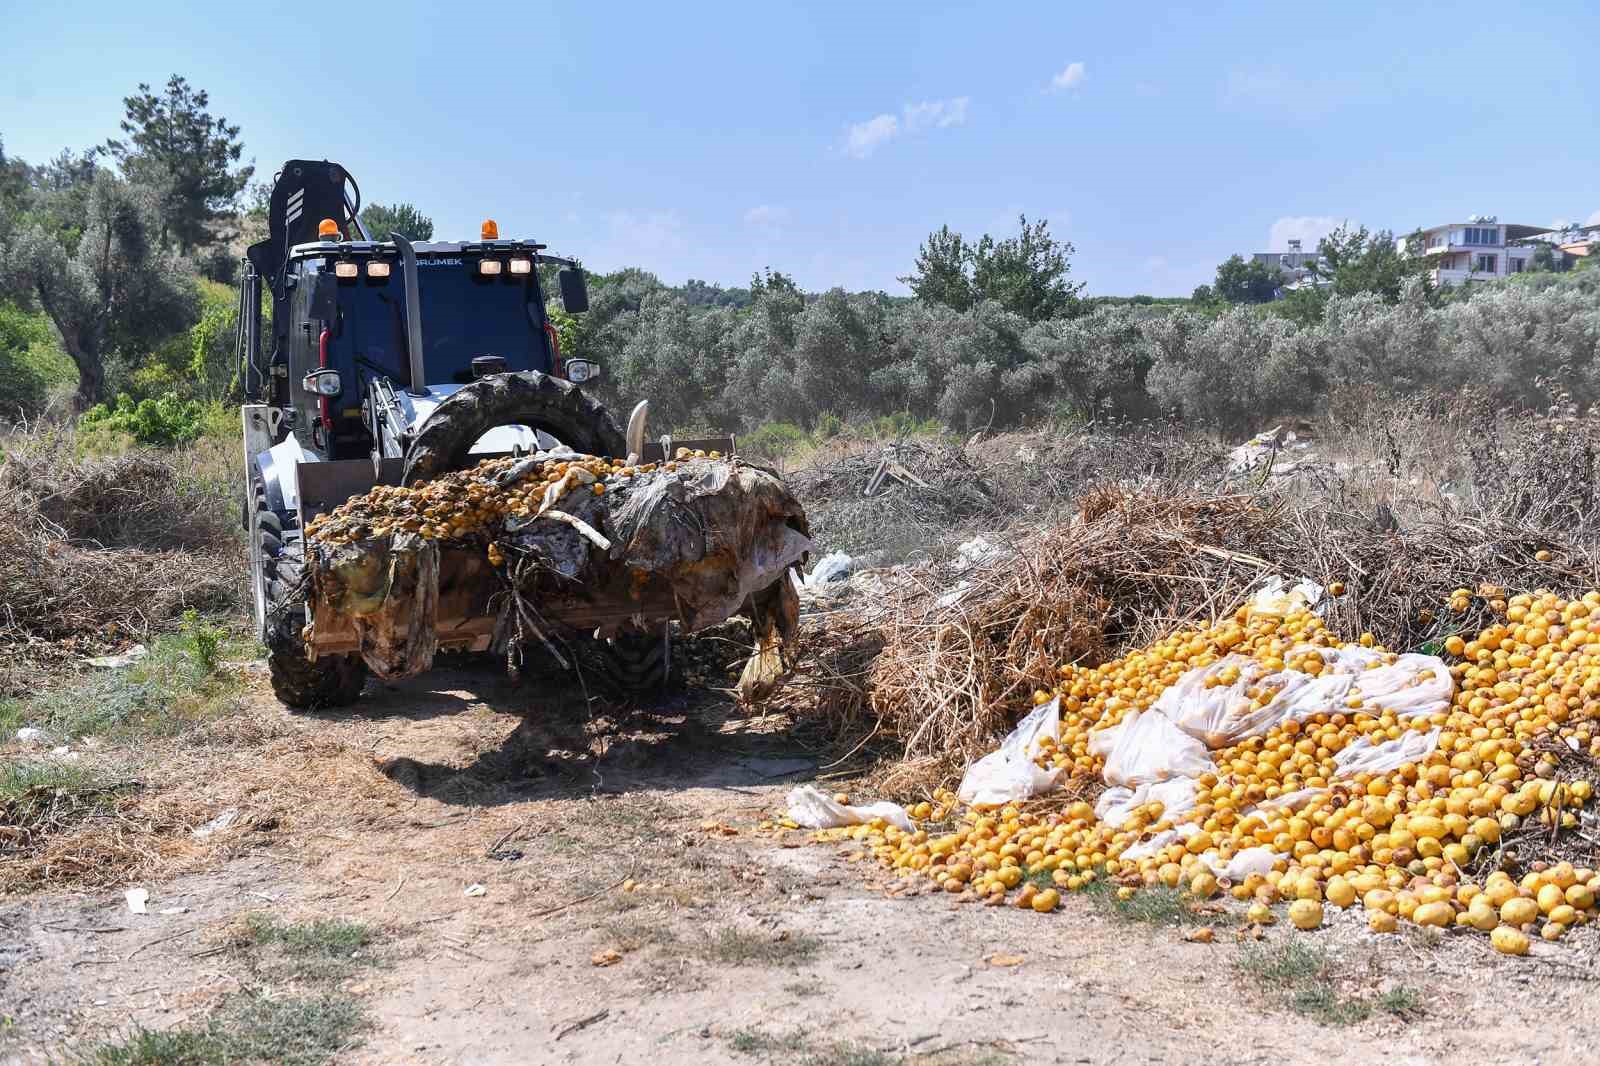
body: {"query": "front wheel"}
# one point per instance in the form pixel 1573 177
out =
pixel 275 572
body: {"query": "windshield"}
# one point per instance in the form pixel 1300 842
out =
pixel 463 316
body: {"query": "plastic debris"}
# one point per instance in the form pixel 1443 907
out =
pixel 138 900
pixel 811 808
pixel 476 890
pixel 116 662
pixel 833 568
pixel 1010 773
pixel 978 550
pixel 216 825
pixel 1278 598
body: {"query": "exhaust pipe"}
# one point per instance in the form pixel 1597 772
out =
pixel 408 268
pixel 635 434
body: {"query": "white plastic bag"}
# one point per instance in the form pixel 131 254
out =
pixel 1115 805
pixel 1381 758
pixel 1413 685
pixel 1150 748
pixel 1257 860
pixel 1222 715
pixel 1009 773
pixel 815 810
pixel 835 566
pixel 1277 597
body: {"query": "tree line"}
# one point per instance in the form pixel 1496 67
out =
pixel 114 264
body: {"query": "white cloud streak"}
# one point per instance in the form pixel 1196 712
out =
pixel 1070 78
pixel 864 138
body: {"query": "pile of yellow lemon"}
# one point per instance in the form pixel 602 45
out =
pixel 467 503
pixel 1406 844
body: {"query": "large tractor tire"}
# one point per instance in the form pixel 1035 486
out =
pixel 526 398
pixel 276 566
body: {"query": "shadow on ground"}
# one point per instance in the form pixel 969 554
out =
pixel 571 739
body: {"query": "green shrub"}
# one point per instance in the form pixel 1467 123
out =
pixel 163 420
pixel 905 424
pixel 775 440
pixel 31 362
pixel 829 426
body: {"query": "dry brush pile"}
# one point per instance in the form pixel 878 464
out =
pixel 1143 535
pixel 99 551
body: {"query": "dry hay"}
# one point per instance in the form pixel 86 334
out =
pixel 91 836
pixel 955 673
pixel 97 552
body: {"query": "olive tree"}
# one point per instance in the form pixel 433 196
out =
pixel 112 288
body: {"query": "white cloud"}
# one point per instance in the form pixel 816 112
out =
pixel 936 114
pixel 863 138
pixel 1070 78
pixel 1308 229
pixel 1593 219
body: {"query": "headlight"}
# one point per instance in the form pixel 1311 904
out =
pixel 346 269
pixel 377 269
pixel 581 370
pixel 324 382
pixel 520 266
pixel 489 267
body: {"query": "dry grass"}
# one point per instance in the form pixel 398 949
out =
pixel 97 552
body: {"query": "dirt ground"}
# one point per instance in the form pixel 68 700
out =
pixel 733 946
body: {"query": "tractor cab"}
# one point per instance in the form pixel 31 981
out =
pixel 370 333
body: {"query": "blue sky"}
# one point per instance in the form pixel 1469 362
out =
pixel 827 139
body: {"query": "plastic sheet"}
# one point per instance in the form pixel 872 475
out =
pixel 1381 758
pixel 1149 748
pixel 1009 773
pixel 813 809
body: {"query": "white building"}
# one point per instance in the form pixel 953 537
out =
pixel 1295 265
pixel 1476 250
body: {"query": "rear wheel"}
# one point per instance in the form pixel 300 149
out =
pixel 276 569
pixel 527 398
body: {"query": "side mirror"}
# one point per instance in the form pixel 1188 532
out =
pixel 574 291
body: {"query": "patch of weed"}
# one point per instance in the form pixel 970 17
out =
pixel 1150 905
pixel 631 934
pixel 1304 974
pixel 19 777
pixel 175 686
pixel 1322 1004
pixel 1402 1000
pixel 806 987
pixel 740 947
pixel 1292 962
pixel 249 1027
pixel 797 1049
pixel 326 937
pixel 323 950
